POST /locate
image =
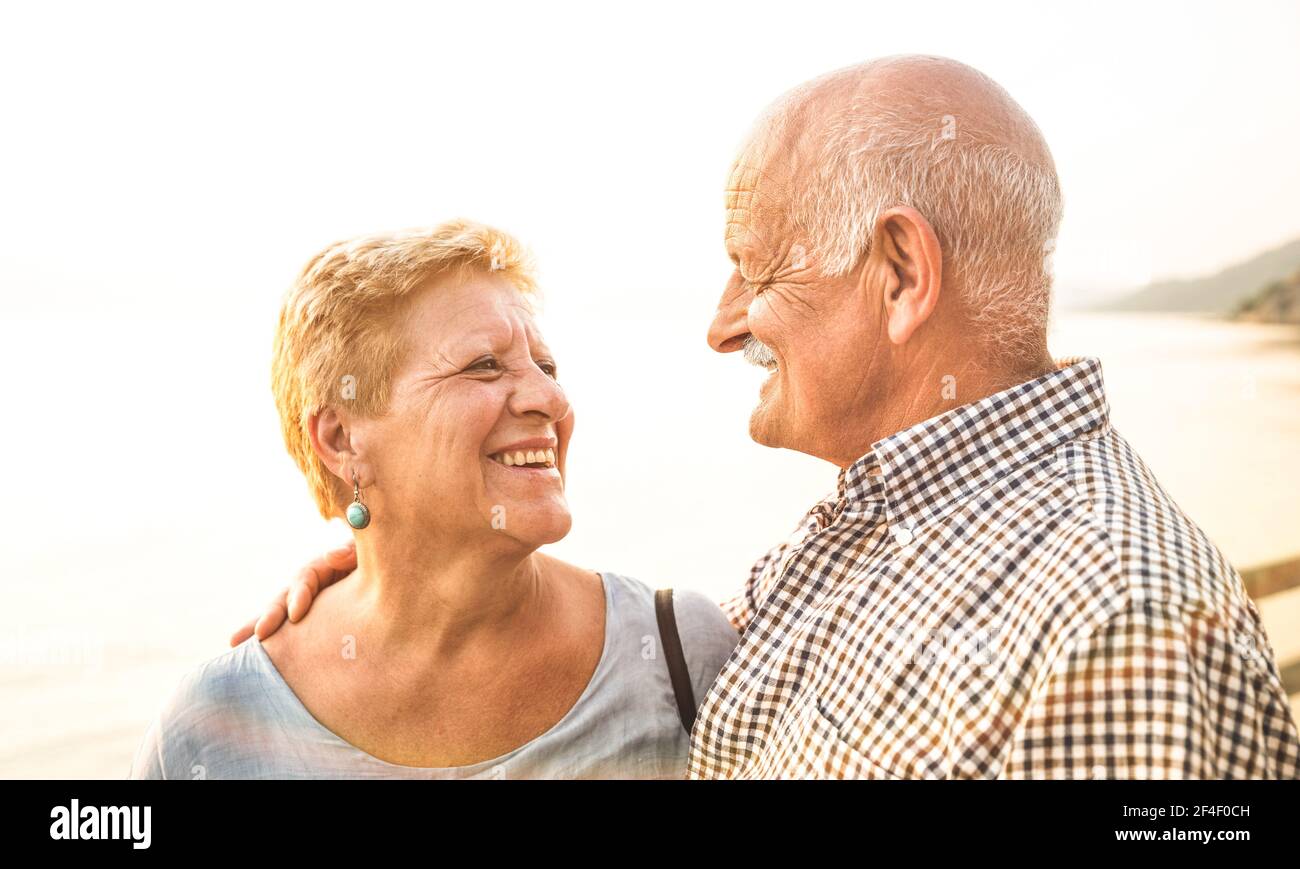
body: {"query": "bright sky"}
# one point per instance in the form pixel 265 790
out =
pixel 165 172
pixel 158 155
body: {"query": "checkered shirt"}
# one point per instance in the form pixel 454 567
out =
pixel 1002 591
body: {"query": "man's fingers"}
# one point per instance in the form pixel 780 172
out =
pixel 308 578
pixel 243 633
pixel 320 574
pixel 298 602
pixel 271 620
pixel 294 601
pixel 337 564
pixel 302 591
pixel 304 588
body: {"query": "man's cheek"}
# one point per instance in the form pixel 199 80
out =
pixel 759 317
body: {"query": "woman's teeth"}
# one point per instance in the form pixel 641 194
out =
pixel 531 458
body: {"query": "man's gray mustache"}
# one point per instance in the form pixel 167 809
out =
pixel 757 353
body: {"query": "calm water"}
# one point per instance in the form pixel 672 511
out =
pixel 151 508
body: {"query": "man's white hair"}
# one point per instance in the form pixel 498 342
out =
pixel 996 214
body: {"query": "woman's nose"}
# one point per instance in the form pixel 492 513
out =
pixel 540 393
pixel 730 325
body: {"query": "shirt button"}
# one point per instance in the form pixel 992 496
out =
pixel 903 536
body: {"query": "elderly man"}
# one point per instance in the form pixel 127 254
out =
pixel 998 587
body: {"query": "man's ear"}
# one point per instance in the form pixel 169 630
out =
pixel 913 264
pixel 331 441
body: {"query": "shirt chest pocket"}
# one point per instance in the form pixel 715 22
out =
pixel 816 749
pixel 904 712
pixel 893 680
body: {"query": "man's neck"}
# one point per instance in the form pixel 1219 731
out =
pixel 933 391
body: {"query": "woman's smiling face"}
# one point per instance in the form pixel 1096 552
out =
pixel 477 427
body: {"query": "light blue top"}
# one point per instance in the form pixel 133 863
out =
pixel 236 717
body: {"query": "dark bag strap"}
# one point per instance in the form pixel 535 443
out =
pixel 676 659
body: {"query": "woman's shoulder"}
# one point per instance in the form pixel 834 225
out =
pixel 223 691
pixel 707 635
pixel 693 609
pixel 233 676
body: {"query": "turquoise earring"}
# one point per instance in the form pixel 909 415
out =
pixel 358 513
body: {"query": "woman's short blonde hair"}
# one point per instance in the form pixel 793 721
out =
pixel 338 340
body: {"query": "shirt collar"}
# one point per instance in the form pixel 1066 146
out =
pixel 920 471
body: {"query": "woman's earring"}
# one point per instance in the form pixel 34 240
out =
pixel 358 513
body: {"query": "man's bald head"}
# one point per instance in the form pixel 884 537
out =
pixel 914 88
pixel 932 134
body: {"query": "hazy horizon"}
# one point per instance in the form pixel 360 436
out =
pixel 203 167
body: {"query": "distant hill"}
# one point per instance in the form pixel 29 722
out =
pixel 1279 302
pixel 1220 293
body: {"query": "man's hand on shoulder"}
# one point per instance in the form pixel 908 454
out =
pixel 294 601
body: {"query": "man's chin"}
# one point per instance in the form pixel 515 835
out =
pixel 763 429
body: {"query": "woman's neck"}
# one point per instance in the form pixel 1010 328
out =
pixel 445 595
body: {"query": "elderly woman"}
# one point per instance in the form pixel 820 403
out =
pixel 419 399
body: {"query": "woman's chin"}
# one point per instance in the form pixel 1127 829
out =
pixel 556 533
pixel 535 522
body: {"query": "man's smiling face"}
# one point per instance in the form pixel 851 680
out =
pixel 813 332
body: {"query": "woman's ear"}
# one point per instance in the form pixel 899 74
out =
pixel 910 250
pixel 331 441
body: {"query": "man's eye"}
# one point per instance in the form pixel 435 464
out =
pixel 548 368
pixel 487 363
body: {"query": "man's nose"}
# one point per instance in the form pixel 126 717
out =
pixel 730 326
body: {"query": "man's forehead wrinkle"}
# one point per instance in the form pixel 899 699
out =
pixel 772 171
pixel 765 159
pixel 751 180
pixel 748 206
pixel 744 169
pixel 739 199
pixel 737 233
pixel 767 245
